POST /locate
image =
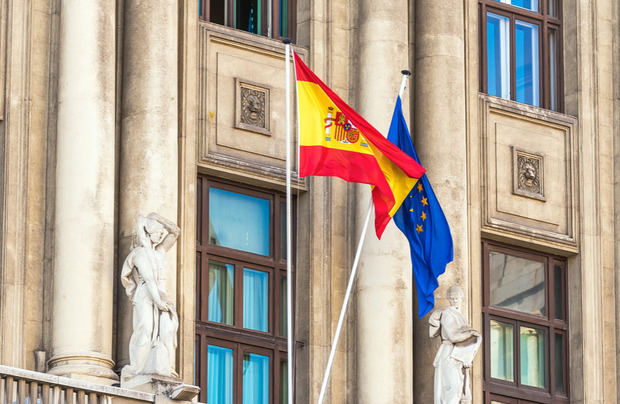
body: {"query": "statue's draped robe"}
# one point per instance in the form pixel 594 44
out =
pixel 458 347
pixel 153 342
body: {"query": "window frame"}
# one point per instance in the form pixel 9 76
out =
pixel 545 23
pixel 205 10
pixel 234 336
pixel 515 390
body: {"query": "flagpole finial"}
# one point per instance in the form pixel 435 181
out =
pixel 287 41
pixel 406 72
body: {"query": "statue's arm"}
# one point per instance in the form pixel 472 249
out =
pixel 454 330
pixel 171 227
pixel 147 276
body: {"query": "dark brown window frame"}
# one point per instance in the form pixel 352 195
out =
pixel 205 8
pixel 545 23
pixel 234 336
pixel 518 393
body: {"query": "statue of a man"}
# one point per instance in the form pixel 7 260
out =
pixel 459 344
pixel 155 322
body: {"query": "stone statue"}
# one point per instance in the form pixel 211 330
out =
pixel 155 323
pixel 459 345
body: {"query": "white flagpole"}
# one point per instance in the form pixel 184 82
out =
pixel 347 295
pixel 289 256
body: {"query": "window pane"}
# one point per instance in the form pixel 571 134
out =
pixel 558 292
pixel 553 8
pixel 283 382
pixel 553 69
pixel 559 363
pixel 284 18
pixel 221 292
pixel 283 231
pixel 502 352
pixel 239 221
pixel 248 15
pixel 219 375
pixel 527 4
pixel 283 307
pixel 517 283
pixel 255 300
pixel 532 344
pixel 498 55
pixel 255 379
pixel 527 62
pixel 217 11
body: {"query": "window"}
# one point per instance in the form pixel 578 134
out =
pixel 272 18
pixel 240 345
pixel 521 57
pixel 525 327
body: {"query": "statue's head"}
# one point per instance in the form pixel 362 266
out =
pixel 455 296
pixel 154 230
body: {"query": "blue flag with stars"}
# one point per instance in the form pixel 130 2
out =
pixel 422 221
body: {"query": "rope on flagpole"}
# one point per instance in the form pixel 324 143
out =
pixel 347 295
pixel 289 256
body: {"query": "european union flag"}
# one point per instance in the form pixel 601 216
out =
pixel 422 221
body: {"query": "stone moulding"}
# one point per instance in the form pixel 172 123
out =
pixel 528 171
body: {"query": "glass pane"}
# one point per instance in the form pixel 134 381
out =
pixel 527 63
pixel 283 307
pixel 527 4
pixel 502 352
pixel 553 8
pixel 558 292
pixel 248 16
pixel 255 379
pixel 219 375
pixel 217 11
pixel 532 344
pixel 239 221
pixel 283 382
pixel 559 363
pixel 255 300
pixel 283 231
pixel 221 292
pixel 284 18
pixel 517 283
pixel 553 70
pixel 498 55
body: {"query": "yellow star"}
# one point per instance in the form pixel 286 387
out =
pixel 410 210
pixel 424 201
pixel 420 186
pixel 423 216
pixel 418 228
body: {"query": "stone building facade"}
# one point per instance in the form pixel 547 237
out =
pixel 111 108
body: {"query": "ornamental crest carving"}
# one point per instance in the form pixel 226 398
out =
pixel 528 170
pixel 252 107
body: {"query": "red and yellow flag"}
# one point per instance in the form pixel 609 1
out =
pixel 336 141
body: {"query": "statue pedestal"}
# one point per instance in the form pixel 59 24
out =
pixel 170 387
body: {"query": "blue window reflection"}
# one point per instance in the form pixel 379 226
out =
pixel 498 55
pixel 239 221
pixel 527 59
pixel 531 5
pixel 221 292
pixel 255 300
pixel 219 375
pixel 255 379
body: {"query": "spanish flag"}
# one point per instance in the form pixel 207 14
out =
pixel 336 141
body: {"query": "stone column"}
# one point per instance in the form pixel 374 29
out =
pixel 384 284
pixel 440 140
pixel 84 217
pixel 149 134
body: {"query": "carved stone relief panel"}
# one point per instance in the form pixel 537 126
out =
pixel 252 106
pixel 528 174
pixel 528 166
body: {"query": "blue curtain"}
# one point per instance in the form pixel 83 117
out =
pixel 255 379
pixel 527 68
pixel 219 375
pixel 255 300
pixel 221 292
